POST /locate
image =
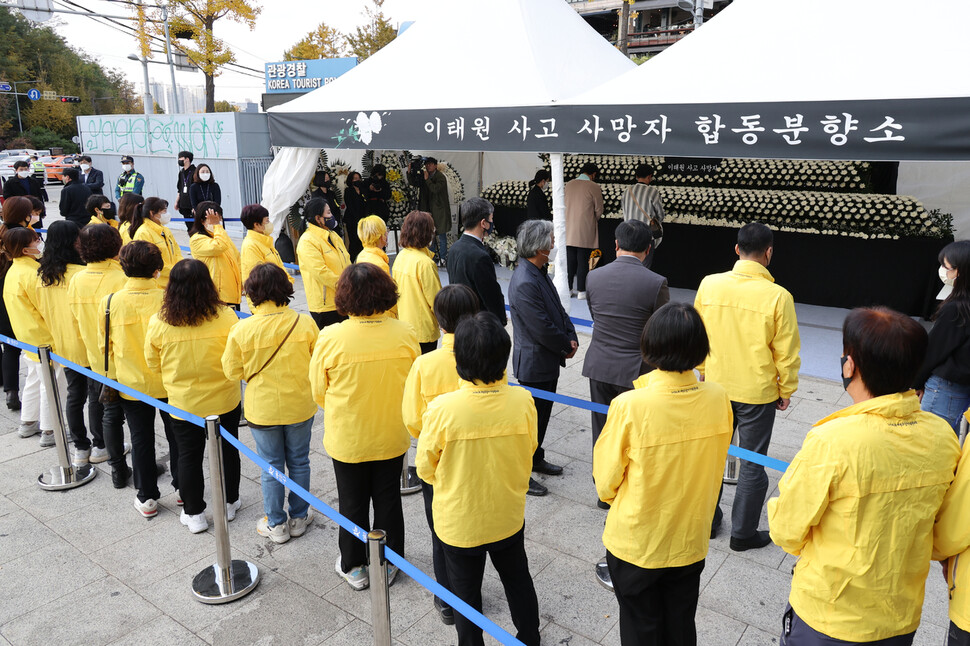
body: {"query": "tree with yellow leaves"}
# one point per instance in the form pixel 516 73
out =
pixel 374 35
pixel 322 42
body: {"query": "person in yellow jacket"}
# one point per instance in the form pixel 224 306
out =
pixel 322 258
pixel 951 542
pixel 417 278
pixel 476 449
pixel 99 245
pixel 20 287
pixel 209 242
pixel 755 356
pixel 149 225
pixel 131 308
pixel 128 205
pixel 58 266
pixel 184 343
pixel 431 375
pixel 657 528
pixel 373 235
pixel 357 377
pixel 101 210
pixel 858 503
pixel 257 246
pixel 271 352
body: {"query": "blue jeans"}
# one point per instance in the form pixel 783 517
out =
pixel 441 242
pixel 947 399
pixel 289 443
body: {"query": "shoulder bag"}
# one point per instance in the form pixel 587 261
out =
pixel 656 228
pixel 108 395
pixel 276 351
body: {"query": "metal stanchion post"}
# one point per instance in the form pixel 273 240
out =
pixel 732 465
pixel 410 482
pixel 226 580
pixel 65 475
pixel 380 601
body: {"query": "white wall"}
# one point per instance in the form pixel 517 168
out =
pixel 940 185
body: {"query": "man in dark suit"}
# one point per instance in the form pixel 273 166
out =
pixel 91 176
pixel 23 183
pixel 74 198
pixel 469 262
pixel 543 336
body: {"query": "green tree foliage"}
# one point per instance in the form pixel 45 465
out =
pixel 370 37
pixel 225 106
pixel 322 42
pixel 30 53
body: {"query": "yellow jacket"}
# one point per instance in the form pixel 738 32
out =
pixel 20 289
pixel 87 288
pixel 258 248
pixel 161 237
pixel 431 375
pixel 54 302
pixel 476 451
pixel 375 256
pixel 668 431
pixel 857 505
pixel 951 539
pixel 280 393
pixel 189 359
pixel 357 377
pixel 220 255
pixel 111 223
pixel 131 308
pixel 418 283
pixel 753 332
pixel 123 230
pixel 322 258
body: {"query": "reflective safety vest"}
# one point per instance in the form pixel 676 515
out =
pixel 127 185
pixel 38 167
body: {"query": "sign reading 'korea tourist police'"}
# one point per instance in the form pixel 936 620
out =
pixel 305 76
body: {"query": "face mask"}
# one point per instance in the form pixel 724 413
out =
pixel 34 218
pixel 23 174
pixel 845 380
pixel 551 256
pixel 489 226
pixel 85 167
pixel 126 167
pixel 205 177
pixel 36 252
pixel 331 222
pixel 165 218
pixel 108 212
pixel 946 280
pixel 181 163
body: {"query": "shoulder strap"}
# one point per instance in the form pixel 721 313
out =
pixel 637 202
pixel 107 331
pixel 276 351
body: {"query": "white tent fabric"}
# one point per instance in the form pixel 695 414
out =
pixel 287 179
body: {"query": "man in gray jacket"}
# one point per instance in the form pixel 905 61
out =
pixel 435 201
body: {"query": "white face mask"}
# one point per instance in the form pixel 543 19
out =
pixel 552 256
pixel 23 174
pixel 205 177
pixel 85 167
pixel 164 218
pixel 943 277
pixel 126 167
pixel 36 251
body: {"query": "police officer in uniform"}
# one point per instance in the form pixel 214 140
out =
pixel 130 180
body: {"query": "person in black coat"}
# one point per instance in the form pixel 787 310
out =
pixel 536 204
pixel 204 188
pixel 23 183
pixel 74 198
pixel 543 337
pixel 325 191
pixel 91 176
pixel 469 262
pixel 354 204
pixel 378 192
pixel 183 203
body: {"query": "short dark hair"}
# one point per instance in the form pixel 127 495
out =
pixel 98 242
pixel 188 155
pixel 887 348
pixel 267 282
pixel 190 297
pixel 474 210
pixel 151 205
pixel 196 179
pixel 363 290
pixel 141 259
pixel 95 202
pixel 755 237
pixel 36 203
pixel 417 230
pixel 320 178
pixel 481 348
pixel 378 169
pixel 674 338
pixel 16 240
pixel 589 168
pixel 453 303
pixel 72 174
pixel 634 236
pixel 430 160
pixel 199 216
pixel 85 158
pixel 542 175
pixel 644 170
pixel 253 214
pixel 315 208
pixel 20 164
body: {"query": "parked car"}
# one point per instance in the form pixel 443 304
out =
pixel 6 165
pixel 56 166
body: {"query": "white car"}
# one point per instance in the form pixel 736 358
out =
pixel 6 165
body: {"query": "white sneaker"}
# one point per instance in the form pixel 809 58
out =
pixel 298 525
pixel 27 429
pixel 581 296
pixel 196 523
pixel 231 509
pixel 148 508
pixel 392 571
pixel 357 577
pixel 278 534
pixel 47 438
pixel 97 455
pixel 80 456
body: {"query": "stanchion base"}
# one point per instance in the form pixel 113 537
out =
pixel 410 483
pixel 59 478
pixel 210 586
pixel 731 469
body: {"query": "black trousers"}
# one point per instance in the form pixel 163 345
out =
pixel 466 568
pixel 795 632
pixel 107 423
pixel 601 392
pixel 430 346
pixel 543 411
pixel 657 606
pixel 323 319
pixel 956 636
pixel 577 265
pixel 437 550
pixel 95 414
pixel 10 368
pixel 187 213
pixel 358 485
pixel 141 426
pixel 190 442
pixel 77 393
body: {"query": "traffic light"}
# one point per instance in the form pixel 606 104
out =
pixel 70 99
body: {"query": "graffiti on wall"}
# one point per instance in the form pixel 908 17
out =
pixel 212 136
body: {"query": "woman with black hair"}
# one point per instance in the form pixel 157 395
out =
pixel 322 258
pixel 944 377
pixel 536 204
pixel 209 242
pixel 204 188
pixel 58 266
pixel 149 225
pixel 128 205
pixel 184 343
pixel 378 192
pixel 354 206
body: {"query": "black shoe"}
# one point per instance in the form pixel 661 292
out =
pixel 536 488
pixel 445 612
pixel 603 575
pixel 159 469
pixel 602 505
pixel 716 523
pixel 13 400
pixel 760 539
pixel 546 468
pixel 120 476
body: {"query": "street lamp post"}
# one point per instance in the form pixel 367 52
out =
pixel 147 97
pixel 16 99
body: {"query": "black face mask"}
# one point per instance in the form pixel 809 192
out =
pixel 181 164
pixel 108 212
pixel 490 227
pixel 845 380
